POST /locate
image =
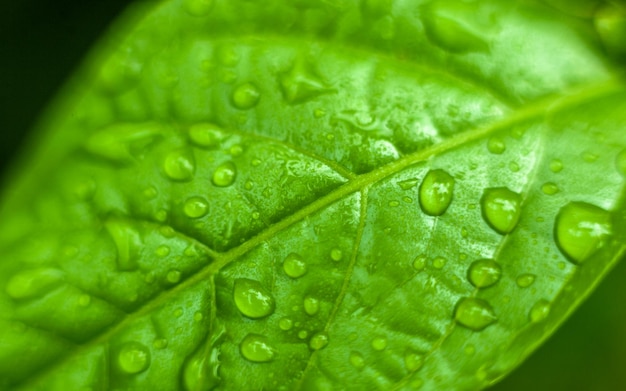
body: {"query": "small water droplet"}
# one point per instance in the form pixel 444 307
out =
pixel 408 184
pixel 556 166
pixel 590 157
pixel 420 262
pixel 393 204
pixel 150 192
pixel 246 96
pixel 302 334
pixel 198 316
pixel 179 165
pixel 311 305
pixel 162 251
pixel 525 280
pixel 473 313
pixel 198 7
pixel 294 266
pixel 413 361
pixel 484 273
pixel 620 162
pixel 539 311
pixel 514 167
pixel 160 343
pixel 336 254
pixel 439 262
pixel 357 360
pixel 84 300
pixel 318 341
pixel 435 193
pixel 379 343
pixel 581 229
pixel 496 145
pixel 501 209
pixel 549 188
pixel 33 283
pixel 173 276
pixel 206 135
pixel 469 350
pixel 285 324
pixel 257 348
pixel 196 207
pixel 225 174
pixel 252 299
pixel 133 358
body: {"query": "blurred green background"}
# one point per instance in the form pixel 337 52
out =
pixel 43 41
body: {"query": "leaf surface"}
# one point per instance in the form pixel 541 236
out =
pixel 318 195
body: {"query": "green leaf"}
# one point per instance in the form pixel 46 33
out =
pixel 315 195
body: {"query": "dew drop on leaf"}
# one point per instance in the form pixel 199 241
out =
pixel 252 299
pixel 501 209
pixel 160 343
pixel 285 324
pixel 179 165
pixel 246 96
pixel 435 193
pixel 556 166
pixel 496 145
pixel 294 266
pixel 257 348
pixel 318 341
pixel 311 305
pixel 224 175
pixel 525 280
pixel 439 262
pixel 549 188
pixel 581 229
pixel 473 313
pixel 195 207
pixel 420 262
pixel 357 360
pixel 33 283
pixel 336 254
pixel 173 276
pixel 413 361
pixel 379 343
pixel 539 311
pixel 206 135
pixel 133 358
pixel 484 273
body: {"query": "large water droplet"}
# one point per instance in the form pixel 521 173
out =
pixel 539 311
pixel 206 135
pixel 179 165
pixel 473 313
pixel 484 273
pixel 311 305
pixel 246 96
pixel 501 209
pixel 252 299
pixel 318 341
pixel 435 193
pixel 581 229
pixel 257 348
pixel 225 174
pixel 133 358
pixel 33 283
pixel 196 207
pixel 294 266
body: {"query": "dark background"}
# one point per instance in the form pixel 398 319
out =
pixel 43 41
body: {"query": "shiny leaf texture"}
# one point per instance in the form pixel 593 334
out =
pixel 315 195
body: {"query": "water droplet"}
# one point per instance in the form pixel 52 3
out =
pixel 236 150
pixel 301 83
pixel 196 207
pixel 435 193
pixel 449 32
pixel 501 209
pixel 556 166
pixel 496 145
pixel 590 157
pixel 484 273
pixel 413 361
pixel 439 262
pixel 179 165
pixel 393 204
pixel 318 341
pixel 160 343
pixel 408 184
pixel 206 135
pixel 285 324
pixel 550 188
pixel 198 7
pixel 294 266
pixel 33 283
pixel 357 360
pixel 311 305
pixel 514 167
pixel 379 343
pixel 173 276
pixel 336 254
pixel 246 96
pixel 581 229
pixel 420 262
pixel 257 348
pixel 252 299
pixel 162 251
pixel 127 242
pixel 302 334
pixel 473 313
pixel 133 358
pixel 539 311
pixel 225 174
pixel 525 280
pixel 469 350
pixel 84 300
pixel 620 162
